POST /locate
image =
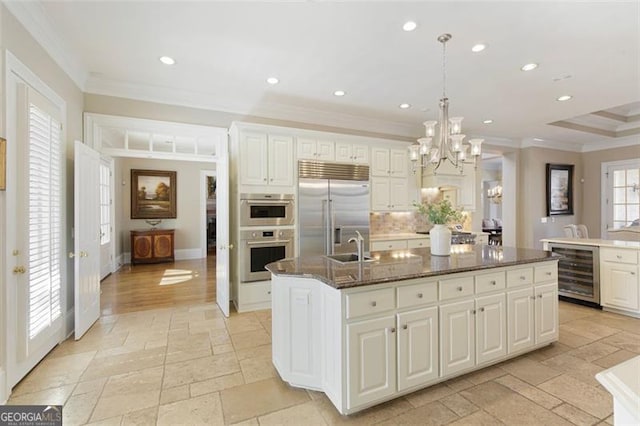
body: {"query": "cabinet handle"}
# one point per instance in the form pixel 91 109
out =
pixel 393 329
pixel 493 282
pixel 482 309
pixel 459 288
pixel 265 179
pixel 549 273
pixel 269 292
pixel 373 303
pixel 473 311
pixel 633 273
pixel 419 295
pixel 539 296
pixel 404 327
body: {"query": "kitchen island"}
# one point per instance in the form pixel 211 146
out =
pixel 367 332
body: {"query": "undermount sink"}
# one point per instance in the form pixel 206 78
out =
pixel 348 258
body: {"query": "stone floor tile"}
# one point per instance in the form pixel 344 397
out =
pixel 174 394
pixel 256 369
pixel 243 323
pixel 250 339
pixel 434 413
pixel 111 421
pixel 201 410
pixel 479 418
pixel 52 396
pixel 125 363
pixel 293 416
pixel 200 369
pixel 575 367
pixel 509 406
pixel 216 384
pixel 459 383
pixel 129 392
pixel 609 420
pixel 77 410
pixel 625 340
pixel 531 392
pixel 459 405
pixel 573 340
pixel 90 386
pixel 575 415
pixel 145 417
pixel 593 351
pixel 263 351
pixel 484 375
pixel 590 399
pixel 614 359
pixel 592 330
pixel 532 372
pixel 374 415
pixel 430 394
pixel 250 422
pixel 549 351
pixel 222 349
pixel 255 399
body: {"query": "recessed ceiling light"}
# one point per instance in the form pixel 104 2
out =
pixel 409 26
pixel 564 98
pixel 538 139
pixel 339 93
pixel 487 121
pixel 404 106
pixel 529 67
pixel 272 80
pixel 167 60
pixel 478 48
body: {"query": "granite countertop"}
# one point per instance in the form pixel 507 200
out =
pixel 397 265
pixel 401 236
pixel 595 242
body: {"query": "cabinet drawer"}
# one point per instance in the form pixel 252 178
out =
pixel 456 287
pixel 619 256
pixel 370 302
pixel 546 273
pixel 422 242
pixel 417 294
pixel 522 276
pixel 255 292
pixel 388 245
pixel 490 282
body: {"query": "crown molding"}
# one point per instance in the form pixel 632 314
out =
pixel 559 146
pixel 34 19
pixel 633 140
pixel 271 110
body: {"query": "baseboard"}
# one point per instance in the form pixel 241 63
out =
pixel 119 263
pixel 70 323
pixel 182 254
pixel 3 387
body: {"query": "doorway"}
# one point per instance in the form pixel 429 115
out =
pixel 492 197
pixel 208 203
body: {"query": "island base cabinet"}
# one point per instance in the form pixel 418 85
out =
pixel 417 347
pixel 457 337
pixel 491 328
pixel 546 313
pixel 371 360
pixel 619 286
pixel 520 319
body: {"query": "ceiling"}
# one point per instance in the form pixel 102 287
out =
pixel 226 50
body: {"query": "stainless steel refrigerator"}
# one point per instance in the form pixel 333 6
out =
pixel 333 202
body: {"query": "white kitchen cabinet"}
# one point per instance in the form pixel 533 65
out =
pixel 316 149
pixel 389 162
pixel 546 313
pixel 491 328
pixel 419 243
pixel 619 279
pixel 352 153
pixel 520 317
pixel 389 194
pixel 417 347
pixel 457 337
pixel 371 363
pixel 266 159
pixel 388 245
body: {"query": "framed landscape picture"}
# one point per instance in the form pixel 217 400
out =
pixel 153 194
pixel 559 189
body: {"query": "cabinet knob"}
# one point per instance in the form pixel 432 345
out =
pixel 482 309
pixel 419 295
pixel 473 311
pixel 549 273
pixel 533 297
pixel 393 329
pixel 522 277
pixel 265 179
pixel 373 303
pixel 459 288
pixel 618 256
pixel 269 292
pixel 633 273
pixel 539 296
pixel 493 282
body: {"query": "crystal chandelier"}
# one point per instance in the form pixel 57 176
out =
pixel 433 150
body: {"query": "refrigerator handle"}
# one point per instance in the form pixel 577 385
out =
pixel 337 236
pixel 326 225
pixel 332 221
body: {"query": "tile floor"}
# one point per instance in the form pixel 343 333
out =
pixel 190 365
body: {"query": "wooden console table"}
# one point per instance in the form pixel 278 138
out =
pixel 152 246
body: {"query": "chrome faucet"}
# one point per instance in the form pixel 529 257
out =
pixel 359 240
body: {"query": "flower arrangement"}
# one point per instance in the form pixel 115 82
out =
pixel 440 213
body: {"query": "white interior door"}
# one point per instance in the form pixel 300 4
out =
pixel 36 319
pixel 222 228
pixel 106 217
pixel 620 194
pixel 87 231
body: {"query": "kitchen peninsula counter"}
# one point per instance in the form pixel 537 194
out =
pixel 365 333
pixel 396 265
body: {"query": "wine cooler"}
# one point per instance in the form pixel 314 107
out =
pixel 578 271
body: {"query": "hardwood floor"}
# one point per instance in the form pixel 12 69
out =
pixel 161 285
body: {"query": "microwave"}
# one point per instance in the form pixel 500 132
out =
pixel 266 209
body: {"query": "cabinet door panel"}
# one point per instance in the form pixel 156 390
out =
pixel 457 337
pixel 325 150
pixel 280 160
pixel 546 313
pixel 399 194
pixel 360 154
pixel 398 163
pixel 371 360
pixel 417 347
pixel 307 148
pixel 380 194
pixel 163 246
pixel 253 151
pixel 142 247
pixel 343 152
pixel 620 286
pixel 491 328
pixel 520 320
pixel 379 162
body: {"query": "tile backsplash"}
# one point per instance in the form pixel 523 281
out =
pixel 397 223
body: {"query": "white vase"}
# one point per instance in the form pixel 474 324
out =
pixel 440 237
